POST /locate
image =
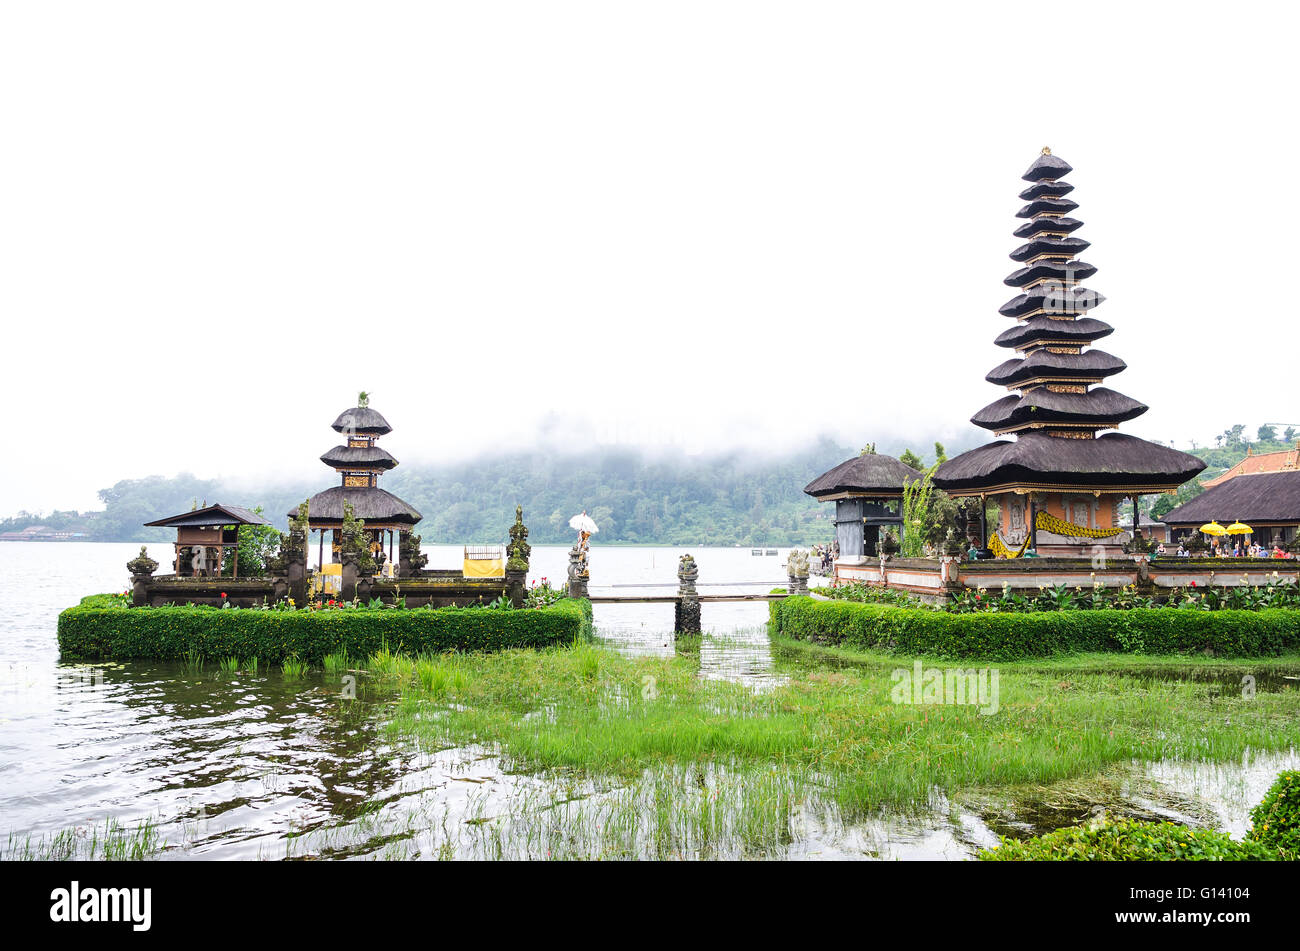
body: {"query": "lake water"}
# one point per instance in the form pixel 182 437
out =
pixel 256 766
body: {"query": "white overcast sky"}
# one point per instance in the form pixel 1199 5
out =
pixel 705 223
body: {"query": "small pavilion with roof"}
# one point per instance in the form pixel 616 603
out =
pixel 203 537
pixel 867 491
pixel 1061 477
pixel 359 463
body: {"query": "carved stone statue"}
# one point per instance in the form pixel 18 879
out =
pixel 142 568
pixel 797 571
pixel 518 551
pixel 410 560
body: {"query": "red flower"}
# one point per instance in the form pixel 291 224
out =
pixel 1193 584
pixel 223 594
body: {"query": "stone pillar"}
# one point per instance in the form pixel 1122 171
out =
pixel 1144 583
pixel 516 586
pixel 517 554
pixel 365 585
pixel 578 575
pixel 348 587
pixel 947 569
pixel 142 568
pixel 686 618
pixel 797 573
pixel 295 557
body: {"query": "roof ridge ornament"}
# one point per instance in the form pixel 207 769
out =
pixel 1047 150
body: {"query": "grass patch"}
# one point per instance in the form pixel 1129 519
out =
pixel 112 842
pixel 830 730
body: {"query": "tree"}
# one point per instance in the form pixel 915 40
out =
pixel 1232 438
pixel 1266 433
pixel 940 454
pixel 909 458
pixel 1289 433
pixel 916 511
pixel 257 544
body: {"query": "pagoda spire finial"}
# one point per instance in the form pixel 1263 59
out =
pixel 1047 150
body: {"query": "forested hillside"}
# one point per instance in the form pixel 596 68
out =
pixel 668 498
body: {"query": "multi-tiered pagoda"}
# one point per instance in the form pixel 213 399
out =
pixel 359 463
pixel 1061 478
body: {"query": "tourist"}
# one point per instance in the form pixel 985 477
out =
pixel 1160 549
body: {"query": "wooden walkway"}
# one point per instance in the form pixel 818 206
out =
pixel 673 599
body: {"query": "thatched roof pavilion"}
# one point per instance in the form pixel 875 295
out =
pixel 359 463
pixel 1269 502
pixel 867 491
pixel 212 528
pixel 1057 476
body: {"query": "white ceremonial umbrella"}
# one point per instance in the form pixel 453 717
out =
pixel 583 523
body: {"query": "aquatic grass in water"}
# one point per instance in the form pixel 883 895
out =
pixel 230 665
pixel 110 842
pixel 336 663
pixel 596 711
pixel 293 668
pixel 440 676
pixel 192 662
pixel 386 665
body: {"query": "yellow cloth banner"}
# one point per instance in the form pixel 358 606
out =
pixel 485 568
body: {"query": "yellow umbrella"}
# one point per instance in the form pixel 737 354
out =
pixel 1213 528
pixel 1236 528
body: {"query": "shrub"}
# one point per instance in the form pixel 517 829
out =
pixel 998 636
pixel 1128 840
pixel 93 631
pixel 1275 822
pixel 873 594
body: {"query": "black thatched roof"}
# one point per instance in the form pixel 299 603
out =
pixel 371 504
pixel 1047 166
pixel 1046 189
pixel 1055 270
pixel 1053 300
pixel 867 474
pixel 1050 245
pixel 367 457
pixel 1259 497
pixel 1114 460
pixel 1041 405
pixel 1043 364
pixel 1047 206
pixel 362 419
pixel 1043 329
pixel 1047 223
pixel 211 515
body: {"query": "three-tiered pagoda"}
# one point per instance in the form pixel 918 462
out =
pixel 1061 478
pixel 359 463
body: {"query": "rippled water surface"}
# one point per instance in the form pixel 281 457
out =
pixel 249 764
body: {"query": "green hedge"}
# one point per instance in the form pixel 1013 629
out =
pixel 1009 636
pixel 1129 840
pixel 1275 822
pixel 1274 834
pixel 96 630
